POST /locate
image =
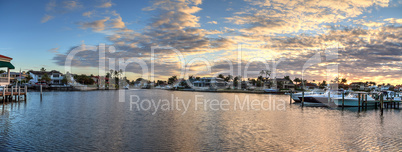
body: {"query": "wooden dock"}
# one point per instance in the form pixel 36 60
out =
pixel 362 102
pixel 13 94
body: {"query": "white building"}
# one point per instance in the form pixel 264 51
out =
pixel 55 76
pixel 209 82
pixel 5 63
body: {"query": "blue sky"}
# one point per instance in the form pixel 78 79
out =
pixel 40 33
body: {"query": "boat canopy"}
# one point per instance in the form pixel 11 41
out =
pixel 6 64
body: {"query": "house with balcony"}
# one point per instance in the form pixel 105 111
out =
pixel 5 63
pixel 56 77
pixel 209 82
pixel 14 76
pixel 358 85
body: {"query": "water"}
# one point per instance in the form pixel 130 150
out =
pixel 97 121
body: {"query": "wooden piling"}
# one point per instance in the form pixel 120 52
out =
pixel 343 99
pixel 381 103
pixel 25 94
pixel 303 98
pixel 290 100
pixel 19 92
pixel 358 99
pixel 4 94
pixel 12 93
pixel 329 96
pixel 366 95
pixel 41 91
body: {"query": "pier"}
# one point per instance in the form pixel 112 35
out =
pixel 13 94
pixel 362 102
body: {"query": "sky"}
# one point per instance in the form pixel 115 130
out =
pixel 359 40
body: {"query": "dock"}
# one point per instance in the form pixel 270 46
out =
pixel 13 94
pixel 362 102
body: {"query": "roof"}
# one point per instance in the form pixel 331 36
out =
pixel 6 64
pixel 43 72
pixel 310 84
pixel 2 56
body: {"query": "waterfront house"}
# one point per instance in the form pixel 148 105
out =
pixel 100 80
pixel 285 84
pixel 398 88
pixel 311 86
pixel 358 85
pixel 209 82
pixel 14 76
pixel 5 63
pixel 373 87
pixel 56 77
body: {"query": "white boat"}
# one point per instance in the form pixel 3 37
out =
pixel 271 90
pixel 391 95
pixel 321 98
pixel 352 100
pixel 296 96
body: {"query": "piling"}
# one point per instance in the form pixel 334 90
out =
pixel 382 103
pixel 19 92
pixel 41 92
pixel 329 96
pixel 4 94
pixel 358 99
pixel 12 93
pixel 302 98
pixel 366 101
pixel 343 99
pixel 25 94
pixel 290 100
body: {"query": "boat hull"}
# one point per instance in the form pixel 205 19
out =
pixel 309 99
pixel 352 103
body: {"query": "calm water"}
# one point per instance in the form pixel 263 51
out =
pixel 96 120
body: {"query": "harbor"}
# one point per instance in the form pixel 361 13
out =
pixel 362 100
pixel 199 75
pixel 80 120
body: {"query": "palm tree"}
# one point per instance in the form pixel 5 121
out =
pixel 43 69
pixel 343 81
pixel 297 80
pixel 266 72
pixel 191 77
pixel 221 76
pixel 228 78
pixel 267 75
pixel 172 79
pixel 28 77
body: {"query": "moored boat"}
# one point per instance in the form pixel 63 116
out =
pixel 352 100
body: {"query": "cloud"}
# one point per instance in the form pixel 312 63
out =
pixel 265 33
pixel 46 18
pixel 55 8
pixel 87 14
pixel 368 23
pixel 270 17
pixel 71 5
pixel 213 22
pixel 105 5
pixel 175 25
pixel 393 20
pixel 51 5
pixel 117 23
pixel 98 25
pixel 54 50
pixel 105 24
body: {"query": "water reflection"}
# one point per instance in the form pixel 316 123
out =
pixel 88 121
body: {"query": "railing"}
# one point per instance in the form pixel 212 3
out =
pixel 23 89
pixel 3 79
